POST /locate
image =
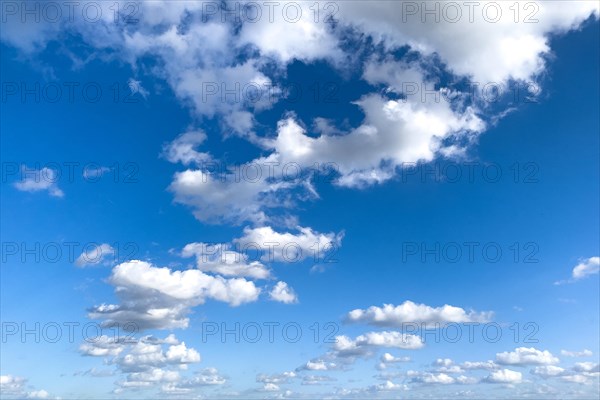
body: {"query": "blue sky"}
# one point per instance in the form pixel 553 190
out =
pixel 472 212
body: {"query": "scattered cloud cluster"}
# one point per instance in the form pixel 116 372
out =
pixel 150 362
pixel 201 60
pixel 16 387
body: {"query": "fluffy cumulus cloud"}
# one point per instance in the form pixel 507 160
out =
pixel 154 297
pixel 526 356
pixel 282 293
pixel 394 133
pixel 413 313
pixel 506 376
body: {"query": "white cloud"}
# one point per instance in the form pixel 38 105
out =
pixel 203 378
pixel 506 376
pixel 283 293
pixel 394 132
pixel 11 384
pixel 229 197
pixel 586 267
pixel 363 345
pixel 386 359
pixel 150 362
pixel 301 36
pixel 183 149
pixel 154 297
pixel 483 365
pixel 586 367
pixel 409 312
pixel 219 259
pixel 288 246
pixel 526 356
pixel 16 387
pixel 443 362
pixel 181 354
pixel 95 255
pixel 103 346
pixel 546 371
pixel 583 353
pixel 489 52
pixel 318 365
pixel 38 394
pixel 283 378
pixel 35 180
pixel 316 379
pixel 270 387
pixel 200 65
pixel 135 87
pixel 387 386
pixel 154 375
pixel 431 378
pixel 449 369
pixel 584 378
